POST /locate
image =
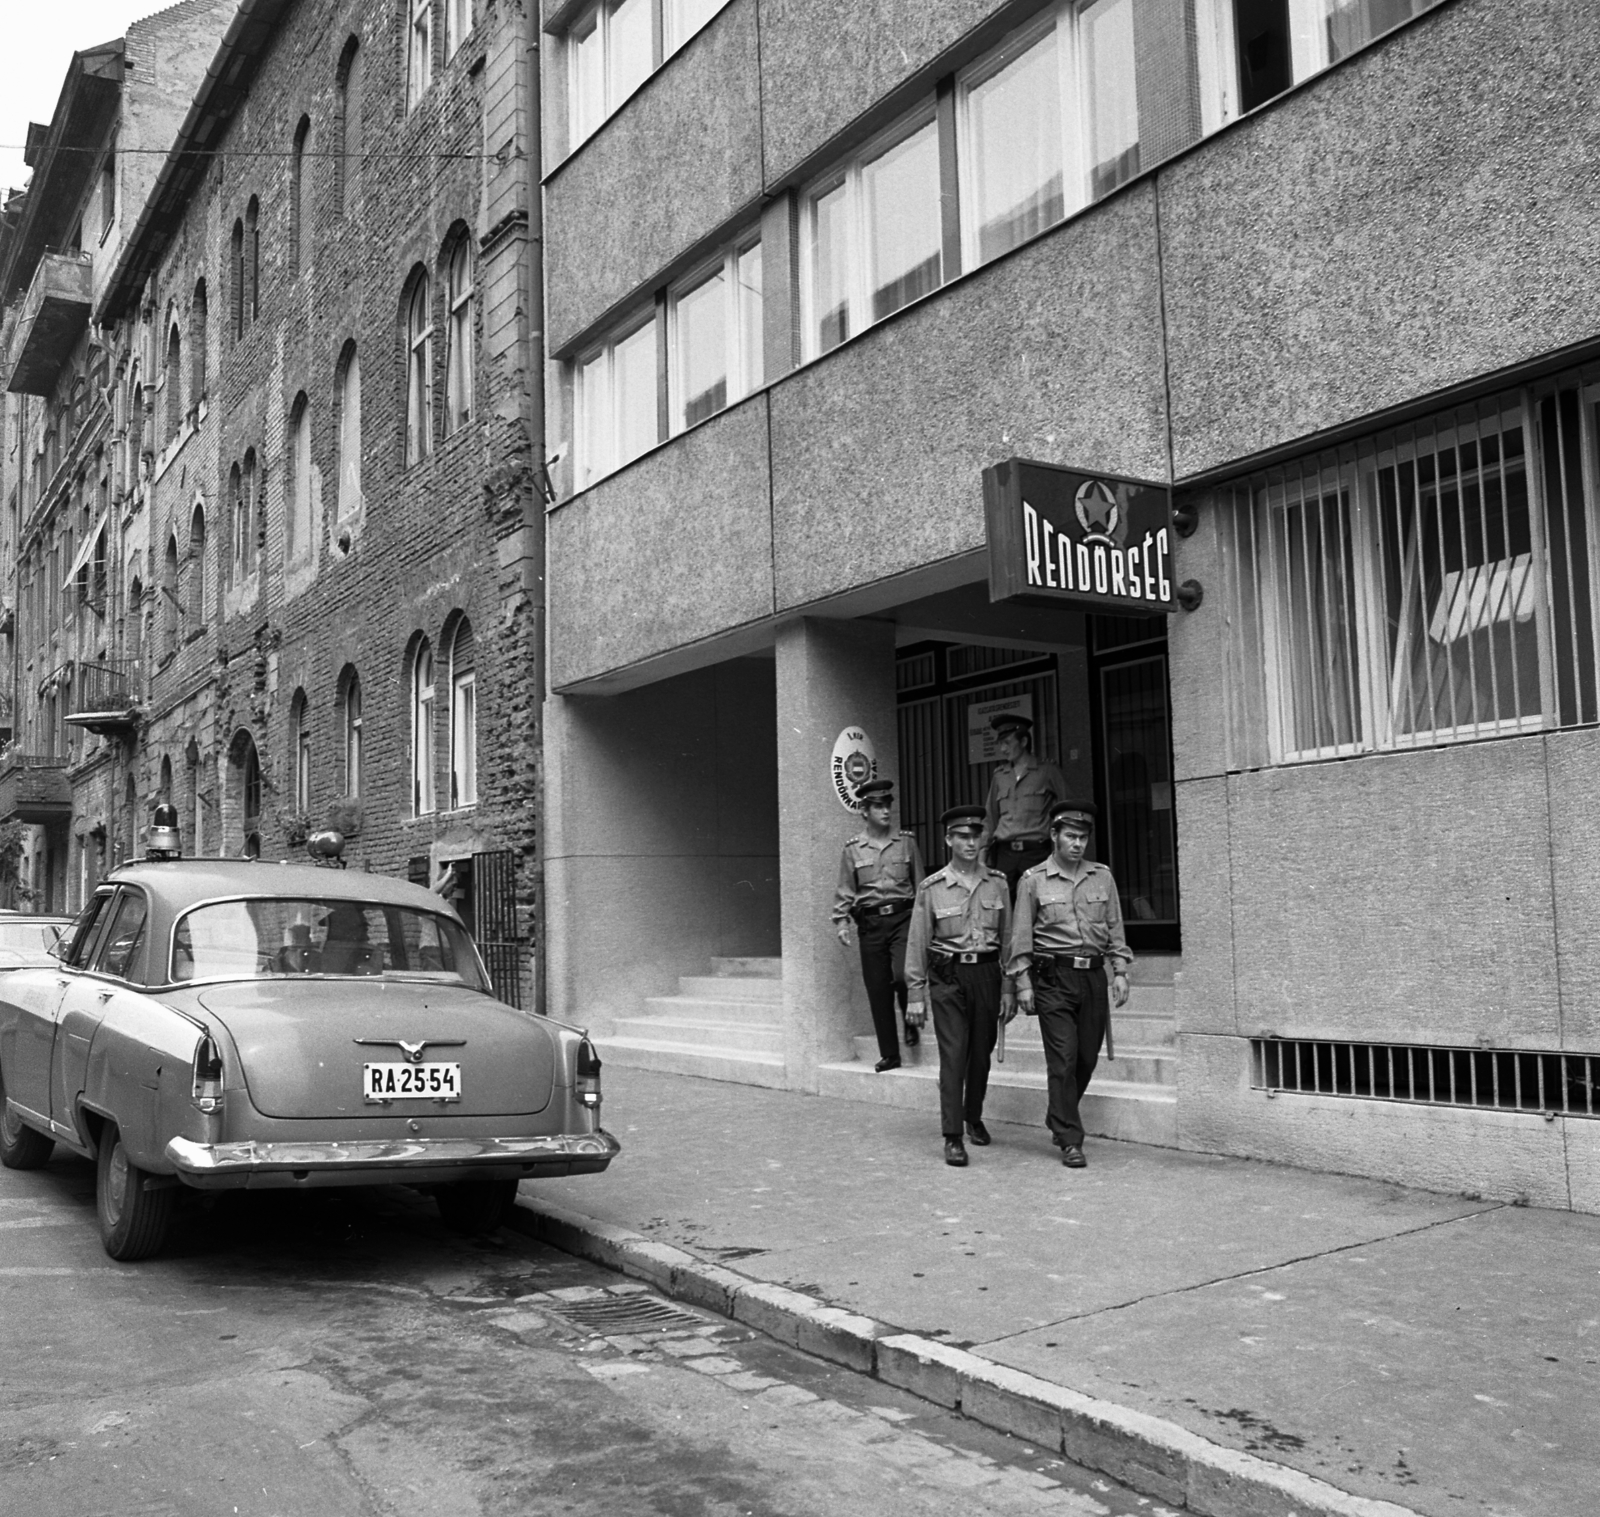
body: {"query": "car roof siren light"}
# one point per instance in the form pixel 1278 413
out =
pixel 327 848
pixel 163 840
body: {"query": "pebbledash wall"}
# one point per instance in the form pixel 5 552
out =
pixel 326 177
pixel 1320 277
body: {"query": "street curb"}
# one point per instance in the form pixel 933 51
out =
pixel 1155 1457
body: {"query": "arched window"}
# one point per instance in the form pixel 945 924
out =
pixel 458 338
pixel 165 793
pixel 170 605
pixel 419 370
pixel 130 818
pixel 422 755
pixel 349 377
pixel 236 281
pixel 198 343
pixel 300 748
pixel 347 166
pixel 300 180
pixel 244 791
pixel 297 519
pixel 419 52
pixel 133 621
pixel 173 382
pixel 235 500
pixel 195 608
pixel 197 824
pixel 135 432
pixel 252 260
pixel 249 512
pixel 463 718
pixel 350 711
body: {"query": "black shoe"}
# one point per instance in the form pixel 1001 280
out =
pixel 913 1036
pixel 979 1133
pixel 884 1065
pixel 955 1153
pixel 1072 1157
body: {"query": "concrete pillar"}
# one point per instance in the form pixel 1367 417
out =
pixel 831 675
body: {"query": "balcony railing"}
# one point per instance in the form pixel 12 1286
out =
pixel 53 318
pixel 104 696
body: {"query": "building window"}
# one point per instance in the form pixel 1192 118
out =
pixel 252 261
pixel 419 52
pixel 133 622
pixel 610 53
pixel 195 608
pixel 250 796
pixel 236 516
pixel 135 434
pixel 198 342
pixel 457 25
pixel 458 339
pixel 715 335
pixel 683 18
pixel 422 703
pixel 350 710
pixel 463 718
pixel 300 206
pixel 297 519
pixel 300 740
pixel 349 386
pixel 172 383
pixel 171 606
pixel 347 166
pixel 616 405
pixel 236 277
pixel 1425 586
pixel 419 370
pixel 108 190
pixel 247 519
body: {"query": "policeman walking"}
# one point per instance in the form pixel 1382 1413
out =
pixel 959 928
pixel 878 875
pixel 1022 793
pixel 1067 930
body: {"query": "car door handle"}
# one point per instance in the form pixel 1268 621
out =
pixel 105 995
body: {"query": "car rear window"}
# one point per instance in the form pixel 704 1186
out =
pixel 29 934
pixel 271 938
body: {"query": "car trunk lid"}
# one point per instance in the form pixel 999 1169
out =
pixel 298 1044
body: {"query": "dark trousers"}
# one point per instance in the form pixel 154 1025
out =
pixel 1073 1007
pixel 1011 862
pixel 882 940
pixel 966 1020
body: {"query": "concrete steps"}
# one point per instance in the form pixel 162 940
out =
pixel 722 1026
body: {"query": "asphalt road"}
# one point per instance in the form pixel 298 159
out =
pixel 340 1354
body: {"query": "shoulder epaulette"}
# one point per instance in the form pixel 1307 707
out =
pixel 906 832
pixel 1034 869
pixel 860 837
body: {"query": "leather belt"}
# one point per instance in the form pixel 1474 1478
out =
pixel 968 958
pixel 1017 845
pixel 887 909
pixel 1073 960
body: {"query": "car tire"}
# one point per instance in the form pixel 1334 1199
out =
pixel 133 1220
pixel 21 1147
pixel 475 1206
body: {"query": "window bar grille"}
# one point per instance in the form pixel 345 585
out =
pixel 1516 1082
pixel 1543 1104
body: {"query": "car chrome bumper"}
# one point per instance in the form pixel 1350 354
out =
pixel 412 1161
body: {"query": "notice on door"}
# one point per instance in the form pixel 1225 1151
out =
pixel 980 735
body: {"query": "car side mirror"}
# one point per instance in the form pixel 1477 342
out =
pixel 58 949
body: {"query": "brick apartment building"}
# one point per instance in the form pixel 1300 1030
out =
pixel 324 590
pixel 1324 267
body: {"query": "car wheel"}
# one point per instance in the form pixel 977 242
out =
pixel 20 1146
pixel 133 1220
pixel 475 1206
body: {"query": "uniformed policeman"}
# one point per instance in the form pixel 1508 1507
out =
pixel 1022 792
pixel 878 874
pixel 1067 932
pixel 959 928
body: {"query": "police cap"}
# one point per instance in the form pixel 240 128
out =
pixel 960 818
pixel 1079 815
pixel 1011 721
pixel 870 791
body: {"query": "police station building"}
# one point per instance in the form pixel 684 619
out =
pixel 1209 381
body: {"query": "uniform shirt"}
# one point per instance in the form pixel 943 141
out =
pixel 875 872
pixel 1021 798
pixel 958 916
pixel 1062 911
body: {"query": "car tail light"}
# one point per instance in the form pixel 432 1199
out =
pixel 207 1075
pixel 588 1074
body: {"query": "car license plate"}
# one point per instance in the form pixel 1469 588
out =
pixel 411 1082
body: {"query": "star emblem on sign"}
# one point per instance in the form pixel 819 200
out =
pixel 1098 512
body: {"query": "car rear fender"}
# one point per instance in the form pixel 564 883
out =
pixel 139 1074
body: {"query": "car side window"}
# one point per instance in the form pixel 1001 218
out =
pixel 121 952
pixel 81 936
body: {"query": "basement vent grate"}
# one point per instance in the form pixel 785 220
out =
pixel 634 1312
pixel 1489 1079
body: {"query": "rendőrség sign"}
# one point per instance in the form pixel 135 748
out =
pixel 1062 534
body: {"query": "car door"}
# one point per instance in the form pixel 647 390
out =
pixel 116 957
pixel 39 1013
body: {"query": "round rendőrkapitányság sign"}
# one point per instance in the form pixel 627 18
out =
pixel 854 762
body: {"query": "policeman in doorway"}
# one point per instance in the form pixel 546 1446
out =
pixel 959 929
pixel 1022 794
pixel 1066 934
pixel 878 875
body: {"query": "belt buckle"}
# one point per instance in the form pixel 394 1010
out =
pixel 1080 962
pixel 887 910
pixel 1017 844
pixel 969 958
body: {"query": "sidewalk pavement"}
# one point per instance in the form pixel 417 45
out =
pixel 1237 1337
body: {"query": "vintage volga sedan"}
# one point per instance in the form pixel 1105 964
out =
pixel 220 1023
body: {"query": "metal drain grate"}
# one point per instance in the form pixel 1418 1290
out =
pixel 1494 1079
pixel 631 1313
